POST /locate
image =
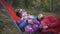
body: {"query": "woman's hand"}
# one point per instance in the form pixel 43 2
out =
pixel 30 22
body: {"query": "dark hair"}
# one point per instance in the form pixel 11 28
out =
pixel 18 14
pixel 40 19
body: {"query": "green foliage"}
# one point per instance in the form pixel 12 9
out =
pixel 37 5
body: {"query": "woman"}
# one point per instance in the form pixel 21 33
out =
pixel 29 22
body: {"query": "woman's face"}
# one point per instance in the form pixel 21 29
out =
pixel 24 14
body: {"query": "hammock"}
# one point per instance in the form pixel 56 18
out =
pixel 11 12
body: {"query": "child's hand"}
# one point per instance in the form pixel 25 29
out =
pixel 40 26
pixel 45 27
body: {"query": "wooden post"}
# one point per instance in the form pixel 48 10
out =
pixel 51 5
pixel 41 4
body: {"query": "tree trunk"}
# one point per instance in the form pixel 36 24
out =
pixel 51 5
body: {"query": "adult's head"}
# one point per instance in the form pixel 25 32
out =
pixel 21 13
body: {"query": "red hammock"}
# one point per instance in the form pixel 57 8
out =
pixel 10 10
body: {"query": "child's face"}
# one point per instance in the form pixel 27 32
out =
pixel 40 16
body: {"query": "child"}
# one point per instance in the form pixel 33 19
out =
pixel 49 24
pixel 39 18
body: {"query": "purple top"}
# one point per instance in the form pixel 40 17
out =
pixel 30 28
pixel 27 18
pixel 22 19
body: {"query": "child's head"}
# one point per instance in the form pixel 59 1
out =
pixel 40 16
